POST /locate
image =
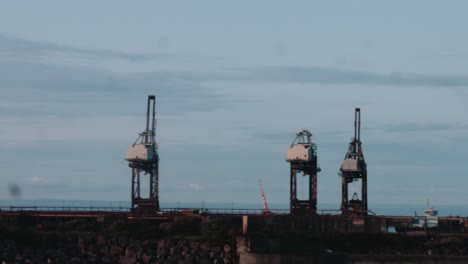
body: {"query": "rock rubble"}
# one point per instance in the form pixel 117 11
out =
pixel 98 249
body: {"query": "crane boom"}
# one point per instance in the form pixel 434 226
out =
pixel 265 205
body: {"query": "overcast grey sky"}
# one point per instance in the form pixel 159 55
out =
pixel 234 82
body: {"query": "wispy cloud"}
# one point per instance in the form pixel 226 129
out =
pixel 324 75
pixel 420 127
pixel 18 47
pixel 47 89
pixel 42 100
pixel 37 180
pixel 195 186
pixel 462 95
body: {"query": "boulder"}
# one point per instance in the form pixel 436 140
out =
pixel 216 249
pixel 123 242
pixel 204 260
pixel 146 258
pixel 174 251
pixel 91 253
pixel 134 250
pixel 227 248
pixel 93 248
pixel 100 240
pixel 194 244
pixel 189 259
pixel 127 260
pixel 109 259
pixel 161 243
pixel 163 252
pixel 104 250
pixel 204 246
pixel 114 250
pixel 204 253
pixel 185 251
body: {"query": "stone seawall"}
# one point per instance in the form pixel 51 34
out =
pixel 245 256
pixel 97 249
pixel 249 258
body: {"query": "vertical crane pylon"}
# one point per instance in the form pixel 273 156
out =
pixel 354 168
pixel 143 158
pixel 302 156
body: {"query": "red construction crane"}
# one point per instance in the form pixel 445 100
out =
pixel 265 205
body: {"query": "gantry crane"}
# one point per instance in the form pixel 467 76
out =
pixel 302 156
pixel 354 168
pixel 143 158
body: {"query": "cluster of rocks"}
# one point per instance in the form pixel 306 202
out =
pixel 123 250
pixel 13 253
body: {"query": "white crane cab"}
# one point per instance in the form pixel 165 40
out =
pixel 140 152
pixel 353 165
pixel 299 152
pixel 302 149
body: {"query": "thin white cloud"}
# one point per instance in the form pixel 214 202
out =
pixel 399 167
pixel 37 180
pixel 17 46
pixel 195 186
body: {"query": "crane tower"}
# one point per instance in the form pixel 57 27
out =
pixel 302 156
pixel 143 158
pixel 354 168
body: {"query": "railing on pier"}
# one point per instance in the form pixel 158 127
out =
pixel 120 209
pixel 64 209
pixel 224 211
pixel 78 209
pixel 240 211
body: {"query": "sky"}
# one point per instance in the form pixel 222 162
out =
pixel 234 82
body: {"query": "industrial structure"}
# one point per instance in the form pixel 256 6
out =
pixel 265 205
pixel 302 216
pixel 354 169
pixel 143 158
pixel 302 156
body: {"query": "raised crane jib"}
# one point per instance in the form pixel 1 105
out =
pixel 147 137
pixel 355 150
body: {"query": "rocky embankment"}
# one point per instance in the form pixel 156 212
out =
pixel 89 249
pixel 181 240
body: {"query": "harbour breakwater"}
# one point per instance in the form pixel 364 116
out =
pixel 212 239
pixel 97 249
pixel 347 259
pixel 184 240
